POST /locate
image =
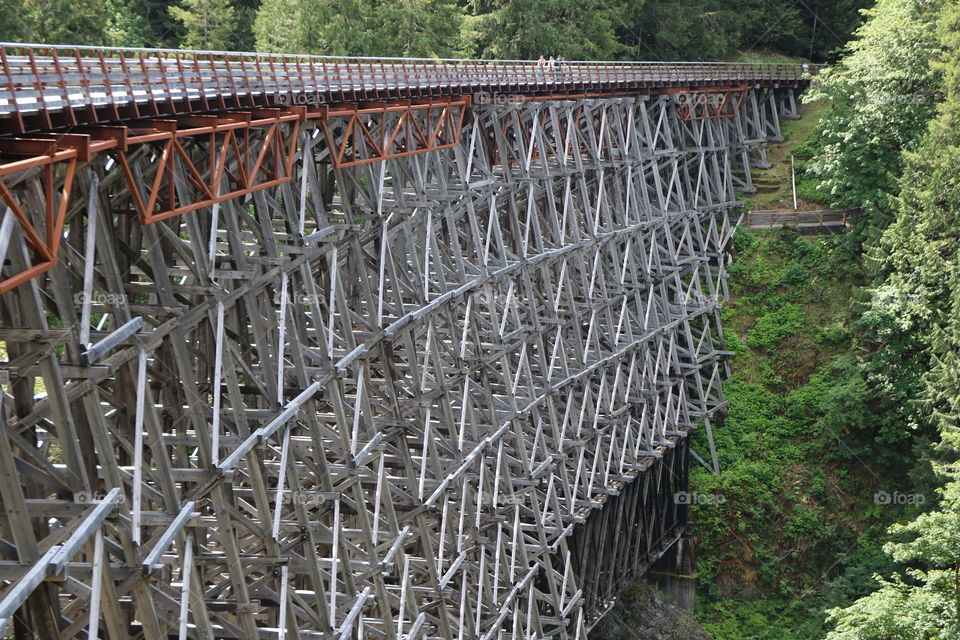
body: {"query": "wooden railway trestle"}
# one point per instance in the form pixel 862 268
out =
pixel 357 391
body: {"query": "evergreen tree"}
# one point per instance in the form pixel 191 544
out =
pixel 245 13
pixel 828 26
pixel 883 95
pixel 942 397
pixel 126 28
pixel 414 28
pixel 12 18
pixel 278 27
pixel 67 22
pixel 420 28
pixel 918 263
pixel 774 25
pixel 681 29
pixel 164 29
pixel 924 603
pixel 208 24
pixel 526 29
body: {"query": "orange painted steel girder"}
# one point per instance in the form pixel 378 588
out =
pixel 228 156
pixel 400 132
pixel 43 154
pixel 229 140
pixel 227 133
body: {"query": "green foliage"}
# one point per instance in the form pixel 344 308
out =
pixel 163 30
pixel 92 22
pixel 245 14
pixel 414 28
pixel 923 603
pixel 807 441
pixel 683 29
pixel 575 29
pixel 763 56
pixel 506 29
pixel 759 619
pixel 774 327
pixel 883 94
pixel 708 29
pixel 208 24
pixel 771 23
pixel 125 27
pixel 61 21
pixel 911 322
pixel 808 185
pixel 941 398
pixel 526 29
pixel 12 18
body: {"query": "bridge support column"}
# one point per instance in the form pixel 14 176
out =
pixel 675 574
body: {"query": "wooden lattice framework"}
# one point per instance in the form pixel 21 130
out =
pixel 445 394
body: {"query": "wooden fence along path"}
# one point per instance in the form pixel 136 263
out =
pixel 827 219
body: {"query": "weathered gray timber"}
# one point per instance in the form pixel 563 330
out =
pixel 825 219
pixel 447 395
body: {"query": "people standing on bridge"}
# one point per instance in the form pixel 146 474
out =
pixel 551 64
pixel 541 63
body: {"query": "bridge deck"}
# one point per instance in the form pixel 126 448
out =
pixel 45 87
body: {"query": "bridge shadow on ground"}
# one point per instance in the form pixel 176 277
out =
pixel 645 613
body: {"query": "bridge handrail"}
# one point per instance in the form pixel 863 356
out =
pixel 207 52
pixel 38 78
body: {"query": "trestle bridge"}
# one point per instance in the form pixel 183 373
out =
pixel 306 347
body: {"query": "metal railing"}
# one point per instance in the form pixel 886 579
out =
pixel 39 79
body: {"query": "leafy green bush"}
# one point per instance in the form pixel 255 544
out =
pixel 774 327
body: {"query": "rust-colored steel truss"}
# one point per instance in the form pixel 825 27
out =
pixel 202 160
pixel 240 153
pixel 245 152
pixel 374 132
pixel 56 162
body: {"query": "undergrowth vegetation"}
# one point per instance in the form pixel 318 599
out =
pixel 798 529
pixel 839 454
